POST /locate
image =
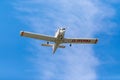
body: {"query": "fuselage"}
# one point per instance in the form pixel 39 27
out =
pixel 59 38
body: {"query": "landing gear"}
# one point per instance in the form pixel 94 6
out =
pixel 47 42
pixel 61 37
pixel 70 45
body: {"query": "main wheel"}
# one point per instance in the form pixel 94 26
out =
pixel 47 42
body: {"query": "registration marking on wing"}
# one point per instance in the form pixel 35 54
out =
pixel 82 40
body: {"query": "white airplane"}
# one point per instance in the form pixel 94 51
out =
pixel 58 39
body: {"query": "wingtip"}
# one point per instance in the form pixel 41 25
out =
pixel 21 33
pixel 96 41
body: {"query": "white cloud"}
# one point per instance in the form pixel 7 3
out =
pixel 85 18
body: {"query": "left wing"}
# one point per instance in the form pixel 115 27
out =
pixel 37 36
pixel 80 40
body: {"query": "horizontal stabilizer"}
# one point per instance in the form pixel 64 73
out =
pixel 61 46
pixel 50 45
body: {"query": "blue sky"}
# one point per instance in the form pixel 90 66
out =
pixel 24 58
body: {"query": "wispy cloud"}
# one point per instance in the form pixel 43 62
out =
pixel 85 18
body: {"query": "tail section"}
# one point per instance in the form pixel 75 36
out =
pixel 48 45
pixel 61 46
pixel 51 45
pixel 54 46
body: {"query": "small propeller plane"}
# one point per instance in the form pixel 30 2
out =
pixel 58 39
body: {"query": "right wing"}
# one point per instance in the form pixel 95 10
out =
pixel 80 40
pixel 37 36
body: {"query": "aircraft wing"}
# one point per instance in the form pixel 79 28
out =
pixel 80 40
pixel 37 36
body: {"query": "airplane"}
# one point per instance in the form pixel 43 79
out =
pixel 58 39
